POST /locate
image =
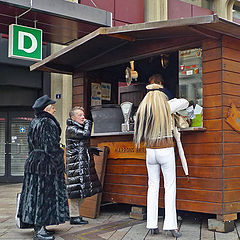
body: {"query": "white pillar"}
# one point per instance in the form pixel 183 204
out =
pixel 155 10
pixel 223 8
pixel 61 84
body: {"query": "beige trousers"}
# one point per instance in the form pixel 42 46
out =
pixel 75 206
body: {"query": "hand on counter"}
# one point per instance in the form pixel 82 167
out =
pixel 188 179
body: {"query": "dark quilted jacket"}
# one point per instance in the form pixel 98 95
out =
pixel 82 179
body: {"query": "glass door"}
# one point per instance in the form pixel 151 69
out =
pixel 3 145
pixel 14 146
pixel 19 123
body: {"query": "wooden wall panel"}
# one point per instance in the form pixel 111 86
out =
pixel 182 194
pixel 232 207
pixel 212 77
pixel 196 206
pixel 228 99
pixel 231 42
pixel 212 101
pixel 213 113
pixel 202 137
pixel 232 160
pixel 201 172
pixel 230 65
pixel 231 172
pixel 213 124
pixel 203 148
pixel 212 89
pixel 231 77
pixel 195 183
pixel 232 184
pixel 231 89
pixel 212 54
pixel 203 160
pixel 231 54
pixel 78 96
pixel 231 136
pixel 231 196
pixel 209 44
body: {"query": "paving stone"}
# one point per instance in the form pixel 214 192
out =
pixel 190 229
pixel 229 236
pixel 205 233
pixel 107 235
pixel 120 233
pixel 138 231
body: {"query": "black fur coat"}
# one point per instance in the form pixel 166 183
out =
pixel 44 197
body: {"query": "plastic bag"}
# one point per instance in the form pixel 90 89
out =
pixel 19 223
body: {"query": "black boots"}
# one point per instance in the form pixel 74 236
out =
pixel 154 231
pixel 41 233
pixel 176 233
pixel 77 220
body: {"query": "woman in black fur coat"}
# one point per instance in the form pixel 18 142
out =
pixel 44 198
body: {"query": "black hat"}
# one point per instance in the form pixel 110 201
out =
pixel 42 102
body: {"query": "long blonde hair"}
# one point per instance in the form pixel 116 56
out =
pixel 153 118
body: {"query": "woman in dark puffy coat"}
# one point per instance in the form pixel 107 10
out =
pixel 82 179
pixel 43 199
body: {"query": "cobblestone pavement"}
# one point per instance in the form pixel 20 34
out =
pixel 112 224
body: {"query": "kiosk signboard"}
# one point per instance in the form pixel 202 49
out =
pixel 25 42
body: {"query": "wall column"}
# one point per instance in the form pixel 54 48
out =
pixel 223 8
pixel 61 84
pixel 155 10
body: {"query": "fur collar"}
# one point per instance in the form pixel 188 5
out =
pixel 43 114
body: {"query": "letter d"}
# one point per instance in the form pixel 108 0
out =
pixel 21 36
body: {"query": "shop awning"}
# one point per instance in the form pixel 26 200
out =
pixel 61 21
pixel 115 45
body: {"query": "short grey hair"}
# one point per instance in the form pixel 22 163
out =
pixel 72 112
pixel 47 108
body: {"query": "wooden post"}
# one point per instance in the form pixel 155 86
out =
pixel 91 205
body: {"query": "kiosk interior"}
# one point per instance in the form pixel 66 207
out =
pixel 199 60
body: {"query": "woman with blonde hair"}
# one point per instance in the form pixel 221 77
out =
pixel 153 126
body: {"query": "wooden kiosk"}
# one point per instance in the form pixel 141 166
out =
pixel 212 152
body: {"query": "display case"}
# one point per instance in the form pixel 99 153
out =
pixel 190 75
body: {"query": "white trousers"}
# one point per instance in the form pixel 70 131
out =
pixel 75 206
pixel 163 158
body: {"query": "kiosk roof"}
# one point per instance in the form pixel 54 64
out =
pixel 108 46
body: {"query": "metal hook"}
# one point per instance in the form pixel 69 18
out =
pixel 16 17
pixel 35 23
